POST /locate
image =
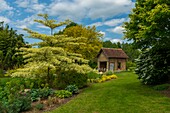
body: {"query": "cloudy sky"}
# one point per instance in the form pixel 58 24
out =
pixel 106 15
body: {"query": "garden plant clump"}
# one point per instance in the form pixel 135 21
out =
pixel 13 99
pixel 63 94
pixel 72 88
pixel 103 78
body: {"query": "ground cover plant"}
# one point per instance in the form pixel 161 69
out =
pixel 123 95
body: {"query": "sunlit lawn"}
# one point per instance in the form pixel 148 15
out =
pixel 123 95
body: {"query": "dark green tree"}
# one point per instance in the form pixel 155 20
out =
pixel 10 41
pixel 109 44
pixel 132 52
pixel 149 29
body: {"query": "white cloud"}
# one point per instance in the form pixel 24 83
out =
pixel 22 3
pixel 22 26
pixel 116 40
pixel 6 20
pixel 42 26
pixel 4 6
pixel 78 9
pixel 27 22
pixel 97 24
pixel 117 29
pixel 31 6
pixel 112 22
pixel 103 33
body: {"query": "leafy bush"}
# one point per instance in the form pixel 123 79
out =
pixel 4 80
pixel 93 75
pixel 1 73
pixel 71 77
pixel 35 83
pixel 161 87
pixel 72 88
pixel 130 65
pixel 153 68
pixel 36 94
pixel 131 69
pixel 28 83
pixel 63 94
pixel 108 72
pixel 17 104
pixel 12 99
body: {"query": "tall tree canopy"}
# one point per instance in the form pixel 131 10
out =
pixel 51 57
pixel 149 28
pixel 10 41
pixel 92 40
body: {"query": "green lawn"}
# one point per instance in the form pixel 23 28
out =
pixel 123 95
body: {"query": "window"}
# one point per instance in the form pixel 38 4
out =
pixel 119 65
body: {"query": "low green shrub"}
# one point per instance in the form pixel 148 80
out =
pixel 131 68
pixel 4 80
pixel 35 83
pixel 93 75
pixel 28 83
pixel 16 104
pixel 1 73
pixel 130 64
pixel 72 88
pixel 63 94
pixel 66 78
pixel 161 87
pixel 108 73
pixel 13 99
pixel 36 94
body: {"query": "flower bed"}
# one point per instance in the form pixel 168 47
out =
pixel 103 78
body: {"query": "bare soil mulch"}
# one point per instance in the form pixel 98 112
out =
pixel 49 104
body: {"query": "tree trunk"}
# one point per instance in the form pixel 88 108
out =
pixel 48 76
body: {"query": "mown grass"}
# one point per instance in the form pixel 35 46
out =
pixel 123 95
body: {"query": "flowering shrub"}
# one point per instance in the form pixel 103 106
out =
pixel 103 78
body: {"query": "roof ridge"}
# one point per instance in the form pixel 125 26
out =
pixel 113 52
pixel 113 48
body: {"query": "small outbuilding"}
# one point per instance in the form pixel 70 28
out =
pixel 111 59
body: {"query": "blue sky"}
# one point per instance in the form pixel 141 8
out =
pixel 107 15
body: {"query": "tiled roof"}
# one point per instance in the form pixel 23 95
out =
pixel 113 53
